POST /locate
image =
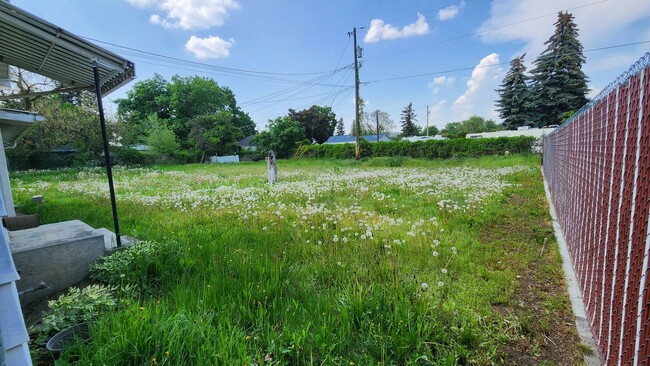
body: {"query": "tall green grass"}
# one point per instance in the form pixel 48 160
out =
pixel 220 288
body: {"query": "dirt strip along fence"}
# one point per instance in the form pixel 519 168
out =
pixel 597 166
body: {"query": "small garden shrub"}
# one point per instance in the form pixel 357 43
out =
pixel 143 265
pixel 77 306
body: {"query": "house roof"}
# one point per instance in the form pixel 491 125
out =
pixel 13 123
pixel 246 141
pixel 342 139
pixel 373 138
pixel 33 44
pixel 424 138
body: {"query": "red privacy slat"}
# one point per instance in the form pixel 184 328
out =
pixel 597 167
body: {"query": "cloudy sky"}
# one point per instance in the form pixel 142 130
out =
pixel 281 54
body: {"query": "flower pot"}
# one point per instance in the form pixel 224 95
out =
pixel 68 337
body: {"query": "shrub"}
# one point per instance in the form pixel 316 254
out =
pixel 433 149
pixel 77 306
pixel 130 157
pixel 141 265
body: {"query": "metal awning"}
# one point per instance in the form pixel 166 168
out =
pixel 13 123
pixel 38 46
pixel 33 44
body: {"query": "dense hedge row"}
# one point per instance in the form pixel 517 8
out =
pixel 433 149
pixel 24 159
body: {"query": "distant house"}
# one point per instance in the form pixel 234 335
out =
pixel 141 147
pixel 424 138
pixel 534 132
pixel 350 139
pixel 538 133
pixel 246 143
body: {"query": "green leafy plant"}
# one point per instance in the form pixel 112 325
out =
pixel 78 306
pixel 140 266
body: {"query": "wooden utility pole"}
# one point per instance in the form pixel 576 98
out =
pixel 427 120
pixel 377 118
pixel 356 98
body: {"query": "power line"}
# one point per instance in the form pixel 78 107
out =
pixel 288 99
pixel 204 71
pixel 491 65
pixel 311 82
pixel 225 69
pixel 338 86
pixel 481 31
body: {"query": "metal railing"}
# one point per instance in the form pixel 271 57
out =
pixel 597 166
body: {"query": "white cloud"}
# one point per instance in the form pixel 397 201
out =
pixel 210 47
pixel 600 24
pixel 379 31
pixel 438 114
pixel 440 81
pixel 140 3
pixel 480 88
pixel 188 14
pixel 443 80
pixel 450 12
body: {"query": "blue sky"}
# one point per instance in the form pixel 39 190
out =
pixel 449 55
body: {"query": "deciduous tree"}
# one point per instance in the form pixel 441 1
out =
pixel 175 104
pixel 474 124
pixel 369 122
pixel 214 133
pixel 283 135
pixel 318 122
pixel 430 131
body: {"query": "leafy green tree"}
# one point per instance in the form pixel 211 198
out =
pixel 430 131
pixel 474 124
pixel 214 134
pixel 176 103
pixel 369 122
pixel 67 124
pixel 283 136
pixel 147 97
pixel 558 83
pixel 514 101
pixel 409 128
pixel 340 128
pixel 161 138
pixel 319 122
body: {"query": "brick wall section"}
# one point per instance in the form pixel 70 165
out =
pixel 597 166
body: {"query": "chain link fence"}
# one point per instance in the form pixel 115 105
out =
pixel 597 166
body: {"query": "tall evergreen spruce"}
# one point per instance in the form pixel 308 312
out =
pixel 514 102
pixel 558 83
pixel 340 128
pixel 408 121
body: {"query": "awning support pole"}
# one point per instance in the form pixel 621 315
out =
pixel 109 169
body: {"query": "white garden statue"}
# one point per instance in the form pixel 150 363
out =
pixel 273 169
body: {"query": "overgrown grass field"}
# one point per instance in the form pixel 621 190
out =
pixel 388 261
